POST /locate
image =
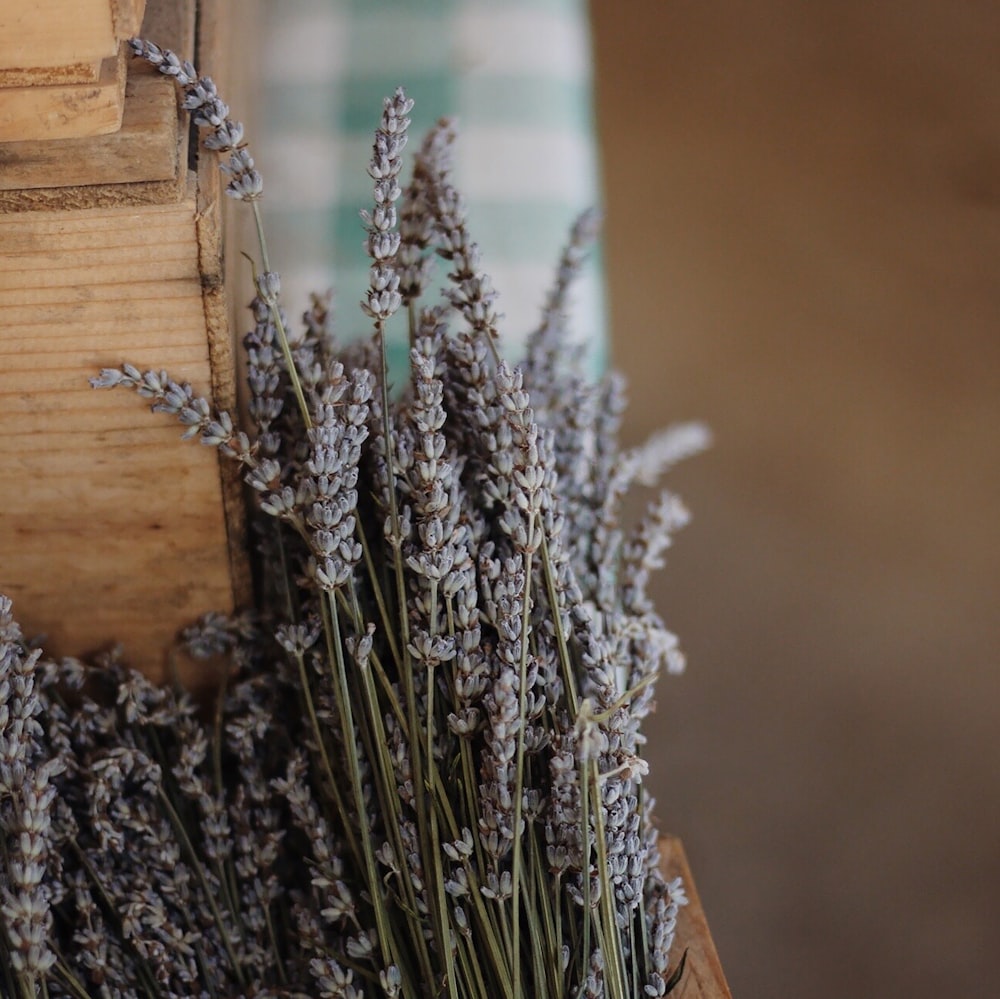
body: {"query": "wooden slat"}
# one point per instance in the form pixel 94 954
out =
pixel 43 76
pixel 215 27
pixel 33 37
pixel 144 149
pixel 144 162
pixel 703 977
pixel 66 110
pixel 55 32
pixel 112 528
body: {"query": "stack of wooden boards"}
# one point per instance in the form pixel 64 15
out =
pixel 63 66
pixel 112 529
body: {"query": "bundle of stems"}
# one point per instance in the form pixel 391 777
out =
pixel 423 776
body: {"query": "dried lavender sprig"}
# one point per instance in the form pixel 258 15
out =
pixel 548 339
pixel 472 293
pixel 643 552
pixel 382 244
pixel 193 412
pixel 666 448
pixel 208 111
pixel 26 800
pixel 224 135
pixel 382 300
pixel 416 230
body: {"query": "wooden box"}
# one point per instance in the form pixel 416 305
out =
pixel 111 528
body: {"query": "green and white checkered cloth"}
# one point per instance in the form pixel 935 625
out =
pixel 515 73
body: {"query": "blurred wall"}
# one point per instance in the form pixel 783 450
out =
pixel 803 230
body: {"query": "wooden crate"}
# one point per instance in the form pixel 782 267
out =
pixel 63 66
pixel 703 976
pixel 111 528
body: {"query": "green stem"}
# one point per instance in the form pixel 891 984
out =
pixel 587 914
pixel 228 878
pixel 519 767
pixel 441 903
pixel 552 959
pixel 69 980
pixel 565 662
pixel 386 940
pixel 175 821
pixel 388 628
pixel 279 324
pixel 276 950
pixel 557 907
pixel 419 788
pixel 492 928
pixel 352 843
pixel 386 775
pixel 613 942
pixel 472 975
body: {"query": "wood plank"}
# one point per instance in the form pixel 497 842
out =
pixel 703 977
pixel 66 110
pixel 124 262
pixel 126 21
pixel 144 149
pixel 145 162
pixel 55 32
pixel 112 528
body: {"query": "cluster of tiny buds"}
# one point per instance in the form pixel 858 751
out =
pixel 383 298
pixel 208 111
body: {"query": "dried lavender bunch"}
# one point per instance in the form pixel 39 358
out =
pixel 423 776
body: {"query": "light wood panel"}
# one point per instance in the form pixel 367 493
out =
pixel 56 32
pixel 66 110
pixel 63 67
pixel 145 150
pixel 111 528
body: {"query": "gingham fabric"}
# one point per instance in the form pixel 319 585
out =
pixel 515 73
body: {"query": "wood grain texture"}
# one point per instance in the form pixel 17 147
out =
pixel 111 528
pixel 145 149
pixel 703 977
pixel 66 110
pixel 56 32
pixel 126 16
pixel 41 76
pixel 145 162
pixel 47 42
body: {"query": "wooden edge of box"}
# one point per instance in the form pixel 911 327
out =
pixel 41 76
pixel 703 977
pixel 213 41
pixel 126 17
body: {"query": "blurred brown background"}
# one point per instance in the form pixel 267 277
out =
pixel 803 227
